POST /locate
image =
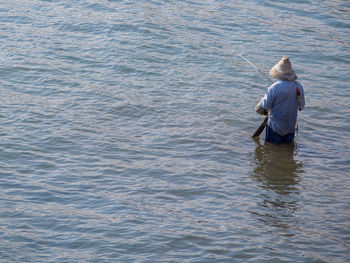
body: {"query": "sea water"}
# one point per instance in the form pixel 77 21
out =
pixel 125 132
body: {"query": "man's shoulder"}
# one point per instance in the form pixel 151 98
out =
pixel 283 84
pixel 276 85
pixel 298 83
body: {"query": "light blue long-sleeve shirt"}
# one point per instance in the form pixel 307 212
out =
pixel 282 103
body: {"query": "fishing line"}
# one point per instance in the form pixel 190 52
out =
pixel 245 59
pixel 226 47
pixel 253 65
pixel 200 36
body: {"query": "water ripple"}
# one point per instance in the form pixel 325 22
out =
pixel 126 132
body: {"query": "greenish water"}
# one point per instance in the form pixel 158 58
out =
pixel 126 132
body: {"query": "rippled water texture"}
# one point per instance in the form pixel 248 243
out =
pixel 126 132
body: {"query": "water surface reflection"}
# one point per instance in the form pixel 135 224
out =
pixel 277 172
pixel 276 168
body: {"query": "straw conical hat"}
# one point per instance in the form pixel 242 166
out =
pixel 283 70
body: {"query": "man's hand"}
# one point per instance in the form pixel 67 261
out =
pixel 260 110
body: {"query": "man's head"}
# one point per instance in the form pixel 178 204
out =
pixel 283 70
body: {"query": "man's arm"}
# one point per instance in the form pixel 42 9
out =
pixel 260 109
pixel 300 96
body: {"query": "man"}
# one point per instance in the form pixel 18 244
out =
pixel 282 101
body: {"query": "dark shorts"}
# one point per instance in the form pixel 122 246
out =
pixel 273 137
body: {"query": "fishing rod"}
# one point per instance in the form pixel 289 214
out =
pixel 262 126
pixel 225 46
